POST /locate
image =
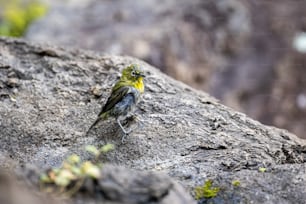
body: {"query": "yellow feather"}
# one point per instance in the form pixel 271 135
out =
pixel 138 84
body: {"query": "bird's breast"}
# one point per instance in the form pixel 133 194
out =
pixel 139 85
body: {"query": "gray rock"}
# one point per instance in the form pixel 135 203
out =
pixel 182 132
pixel 14 192
pixel 115 186
pixel 125 186
pixel 240 51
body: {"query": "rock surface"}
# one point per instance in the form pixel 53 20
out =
pixel 125 186
pixel 117 185
pixel 240 51
pixel 47 103
pixel 14 192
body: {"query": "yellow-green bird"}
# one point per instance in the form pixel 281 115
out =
pixel 124 96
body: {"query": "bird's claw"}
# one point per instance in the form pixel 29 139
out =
pixel 123 138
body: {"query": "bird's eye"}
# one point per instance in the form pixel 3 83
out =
pixel 133 73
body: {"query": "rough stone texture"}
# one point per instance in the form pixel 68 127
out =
pixel 126 186
pixel 14 192
pixel 240 51
pixel 117 185
pixel 47 103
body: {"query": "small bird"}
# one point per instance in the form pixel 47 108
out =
pixel 124 96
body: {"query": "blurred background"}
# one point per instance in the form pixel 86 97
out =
pixel 250 54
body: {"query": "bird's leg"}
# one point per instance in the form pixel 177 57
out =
pixel 134 117
pixel 126 132
pixel 140 122
pixel 123 130
pixel 137 119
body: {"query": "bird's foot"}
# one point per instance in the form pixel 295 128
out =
pixel 140 122
pixel 123 138
pixel 126 133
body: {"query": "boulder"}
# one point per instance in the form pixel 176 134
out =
pixel 49 97
pixel 224 47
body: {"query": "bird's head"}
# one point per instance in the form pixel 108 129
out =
pixel 133 73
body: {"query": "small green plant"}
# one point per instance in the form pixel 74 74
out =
pixel 236 183
pixel 70 176
pixel 206 191
pixel 17 15
pixel 262 169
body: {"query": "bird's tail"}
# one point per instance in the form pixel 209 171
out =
pixel 100 117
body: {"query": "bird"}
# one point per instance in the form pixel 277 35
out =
pixel 124 96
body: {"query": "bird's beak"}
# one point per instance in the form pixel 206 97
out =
pixel 142 75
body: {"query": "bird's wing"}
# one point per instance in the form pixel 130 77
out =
pixel 116 96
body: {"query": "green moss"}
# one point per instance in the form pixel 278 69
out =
pixel 236 183
pixel 70 176
pixel 262 169
pixel 17 15
pixel 206 191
